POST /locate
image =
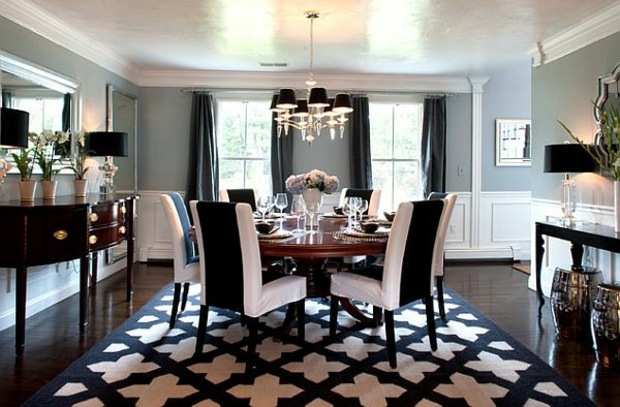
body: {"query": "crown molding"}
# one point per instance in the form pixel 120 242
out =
pixel 598 26
pixel 33 18
pixel 277 80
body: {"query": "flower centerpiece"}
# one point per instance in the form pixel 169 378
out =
pixel 296 184
pixel 311 186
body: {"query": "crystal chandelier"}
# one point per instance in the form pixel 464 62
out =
pixel 315 113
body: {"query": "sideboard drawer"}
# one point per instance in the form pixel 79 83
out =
pixel 56 238
pixel 106 213
pixel 102 238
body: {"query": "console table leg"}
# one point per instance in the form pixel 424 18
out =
pixel 84 273
pixel 540 251
pixel 576 252
pixel 20 310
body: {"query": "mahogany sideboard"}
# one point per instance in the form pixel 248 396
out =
pixel 66 228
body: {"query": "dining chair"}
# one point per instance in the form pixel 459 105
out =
pixel 186 268
pixel 246 195
pixel 406 274
pixel 438 264
pixel 235 281
pixel 373 197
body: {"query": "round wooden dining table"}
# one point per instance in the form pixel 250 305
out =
pixel 310 250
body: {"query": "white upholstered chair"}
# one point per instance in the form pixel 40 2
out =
pixel 186 268
pixel 246 195
pixel 231 275
pixel 438 267
pixel 406 274
pixel 373 196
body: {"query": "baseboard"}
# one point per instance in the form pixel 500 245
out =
pixel 480 254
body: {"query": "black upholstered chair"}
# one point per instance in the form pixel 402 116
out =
pixel 373 196
pixel 438 265
pixel 186 268
pixel 239 195
pixel 406 274
pixel 231 275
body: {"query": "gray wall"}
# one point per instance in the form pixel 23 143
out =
pixel 564 90
pixel 91 77
pixel 506 96
pixel 458 145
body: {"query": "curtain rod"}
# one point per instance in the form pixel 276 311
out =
pixel 351 92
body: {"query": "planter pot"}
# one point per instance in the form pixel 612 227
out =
pixel 80 186
pixel 27 190
pixel 49 189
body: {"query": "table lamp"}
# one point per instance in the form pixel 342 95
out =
pixel 568 158
pixel 13 134
pixel 108 144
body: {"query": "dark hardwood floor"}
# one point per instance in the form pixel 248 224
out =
pixel 53 341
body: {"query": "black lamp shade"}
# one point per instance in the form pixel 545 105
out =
pixel 302 108
pixel 318 97
pixel 342 104
pixel 287 99
pixel 108 143
pixel 568 158
pixel 13 128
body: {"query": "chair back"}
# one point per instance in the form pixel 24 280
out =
pixel 408 266
pixel 230 266
pixel 373 197
pixel 450 199
pixel 239 195
pixel 180 226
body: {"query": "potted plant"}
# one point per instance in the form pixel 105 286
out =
pixel 24 162
pixel 78 165
pixel 46 156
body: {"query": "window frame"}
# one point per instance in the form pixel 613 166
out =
pixel 395 100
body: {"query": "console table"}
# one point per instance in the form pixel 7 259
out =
pixel 586 234
pixel 66 228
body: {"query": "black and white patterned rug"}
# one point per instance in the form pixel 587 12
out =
pixel 144 363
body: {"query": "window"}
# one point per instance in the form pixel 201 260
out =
pixel 244 144
pixel 395 140
pixel 45 112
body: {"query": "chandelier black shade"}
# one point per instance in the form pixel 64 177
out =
pixel 13 128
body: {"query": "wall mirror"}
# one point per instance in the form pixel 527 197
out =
pixel 51 98
pixel 122 115
pixel 608 96
pixel 513 141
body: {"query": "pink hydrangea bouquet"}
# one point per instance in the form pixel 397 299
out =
pixel 296 184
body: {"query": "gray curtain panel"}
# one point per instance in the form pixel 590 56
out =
pixel 434 145
pixel 281 156
pixel 66 112
pixel 359 143
pixel 203 174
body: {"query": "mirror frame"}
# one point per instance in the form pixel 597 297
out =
pixel 119 252
pixel 50 79
pixel 604 82
pixel 500 128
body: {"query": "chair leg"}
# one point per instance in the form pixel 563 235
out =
pixel 377 315
pixel 390 337
pixel 253 326
pixel 439 285
pixel 430 322
pixel 175 304
pixel 202 329
pixel 185 293
pixel 301 319
pixel 333 315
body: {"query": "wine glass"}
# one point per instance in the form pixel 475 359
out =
pixel 264 204
pixel 349 210
pixel 362 208
pixel 298 209
pixel 281 203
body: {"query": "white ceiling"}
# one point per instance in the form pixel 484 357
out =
pixel 429 37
